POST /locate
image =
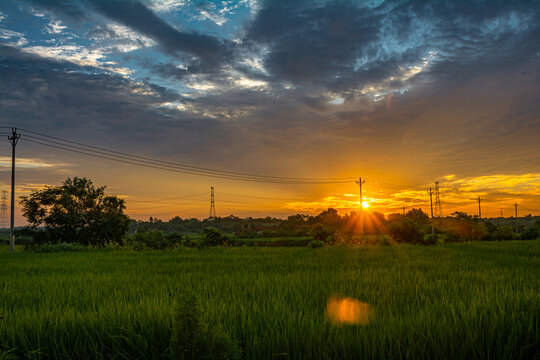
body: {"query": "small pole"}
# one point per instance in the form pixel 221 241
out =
pixel 14 138
pixel 479 208
pixel 431 204
pixel 516 205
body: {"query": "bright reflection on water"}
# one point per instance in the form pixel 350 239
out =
pixel 348 311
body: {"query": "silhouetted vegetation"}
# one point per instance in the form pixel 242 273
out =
pixel 75 212
pixel 192 338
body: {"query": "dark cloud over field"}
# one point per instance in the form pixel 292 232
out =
pixel 410 89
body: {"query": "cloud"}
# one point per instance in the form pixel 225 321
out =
pixel 118 38
pixel 141 19
pixel 25 163
pixel 348 47
pixel 55 27
pixel 77 55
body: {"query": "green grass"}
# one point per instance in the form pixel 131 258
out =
pixel 471 300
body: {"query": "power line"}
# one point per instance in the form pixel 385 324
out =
pixel 184 166
pixel 173 169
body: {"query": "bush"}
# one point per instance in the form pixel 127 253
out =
pixel 503 232
pixel 54 248
pixel 431 239
pixel 452 238
pixel 321 233
pixel 193 339
pixel 316 244
pixel 530 233
pixel 213 237
pixel 155 240
pixel 406 230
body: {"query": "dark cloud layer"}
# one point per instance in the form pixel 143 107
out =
pixel 141 19
pixel 474 89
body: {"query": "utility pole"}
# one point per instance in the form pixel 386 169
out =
pixel 212 204
pixel 431 204
pixel 360 182
pixel 501 212
pixel 14 138
pixel 403 210
pixel 438 207
pixel 515 206
pixel 479 208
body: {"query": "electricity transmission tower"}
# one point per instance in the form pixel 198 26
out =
pixel 4 210
pixel 212 204
pixel 438 208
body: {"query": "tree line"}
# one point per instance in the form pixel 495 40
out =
pixel 78 212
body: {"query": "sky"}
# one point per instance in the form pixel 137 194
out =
pixel 400 93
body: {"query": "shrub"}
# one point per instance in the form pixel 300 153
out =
pixel 155 240
pixel 193 339
pixel 316 244
pixel 406 230
pixel 530 233
pixel 431 239
pixel 451 238
pixel 321 233
pixel 503 232
pixel 213 237
pixel 54 248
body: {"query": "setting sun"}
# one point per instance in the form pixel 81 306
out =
pixel 365 204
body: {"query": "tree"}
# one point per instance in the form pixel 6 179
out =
pixel 76 212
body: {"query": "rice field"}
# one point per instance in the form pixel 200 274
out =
pixel 470 300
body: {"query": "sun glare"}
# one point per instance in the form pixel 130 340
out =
pixel 365 204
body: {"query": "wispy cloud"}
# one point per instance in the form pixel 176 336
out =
pixel 26 163
pixel 55 27
pixel 78 55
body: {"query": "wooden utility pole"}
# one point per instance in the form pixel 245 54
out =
pixel 516 205
pixel 431 204
pixel 14 138
pixel 360 182
pixel 479 208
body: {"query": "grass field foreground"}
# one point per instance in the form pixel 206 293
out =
pixel 470 300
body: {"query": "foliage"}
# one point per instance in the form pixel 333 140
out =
pixel 212 237
pixel 462 227
pixel 316 244
pixel 53 248
pixel 156 240
pixel 76 211
pixel 532 232
pixel 322 234
pixel 403 229
pixel 193 339
pixel 430 239
pixel 503 232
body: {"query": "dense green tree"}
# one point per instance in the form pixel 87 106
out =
pixel 76 212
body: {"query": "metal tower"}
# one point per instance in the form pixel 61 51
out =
pixel 4 210
pixel 212 204
pixel 438 208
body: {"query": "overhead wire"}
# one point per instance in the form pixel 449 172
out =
pixel 169 163
pixel 174 169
